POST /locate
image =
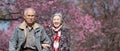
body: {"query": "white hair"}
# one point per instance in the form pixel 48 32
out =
pixel 58 14
pixel 27 9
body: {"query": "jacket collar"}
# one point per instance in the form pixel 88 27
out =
pixel 23 25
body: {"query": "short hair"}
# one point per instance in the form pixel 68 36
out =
pixel 58 14
pixel 26 10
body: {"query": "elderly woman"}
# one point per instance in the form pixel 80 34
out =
pixel 59 35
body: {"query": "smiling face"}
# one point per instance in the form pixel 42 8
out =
pixel 29 16
pixel 57 21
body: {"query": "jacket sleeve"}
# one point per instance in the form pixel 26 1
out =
pixel 13 41
pixel 45 39
pixel 68 37
pixel 69 42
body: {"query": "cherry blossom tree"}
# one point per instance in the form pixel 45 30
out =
pixel 93 23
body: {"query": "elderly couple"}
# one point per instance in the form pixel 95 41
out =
pixel 31 36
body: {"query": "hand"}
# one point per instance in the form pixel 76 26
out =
pixel 45 45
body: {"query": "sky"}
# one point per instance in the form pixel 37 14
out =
pixel 4 25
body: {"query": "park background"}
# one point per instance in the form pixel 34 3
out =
pixel 94 24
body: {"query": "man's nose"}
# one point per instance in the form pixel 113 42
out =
pixel 31 17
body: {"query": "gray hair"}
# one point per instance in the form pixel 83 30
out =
pixel 58 14
pixel 27 9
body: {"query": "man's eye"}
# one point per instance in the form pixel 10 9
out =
pixel 28 15
pixel 31 15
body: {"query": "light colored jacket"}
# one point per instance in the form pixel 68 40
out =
pixel 19 36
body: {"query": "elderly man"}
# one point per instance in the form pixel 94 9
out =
pixel 29 36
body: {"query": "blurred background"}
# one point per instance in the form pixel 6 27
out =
pixel 94 24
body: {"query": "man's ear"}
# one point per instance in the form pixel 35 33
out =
pixel 24 17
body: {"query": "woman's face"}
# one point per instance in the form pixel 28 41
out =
pixel 57 21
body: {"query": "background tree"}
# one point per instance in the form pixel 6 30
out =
pixel 108 12
pixel 94 24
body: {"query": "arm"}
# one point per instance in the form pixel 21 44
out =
pixel 68 37
pixel 69 42
pixel 45 40
pixel 13 41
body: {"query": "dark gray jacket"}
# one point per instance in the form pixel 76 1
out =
pixel 19 35
pixel 65 38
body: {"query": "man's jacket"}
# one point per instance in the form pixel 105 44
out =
pixel 19 36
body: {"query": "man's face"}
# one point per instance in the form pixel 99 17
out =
pixel 29 17
pixel 57 21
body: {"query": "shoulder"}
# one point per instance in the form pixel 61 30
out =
pixel 40 26
pixel 65 29
pixel 17 27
